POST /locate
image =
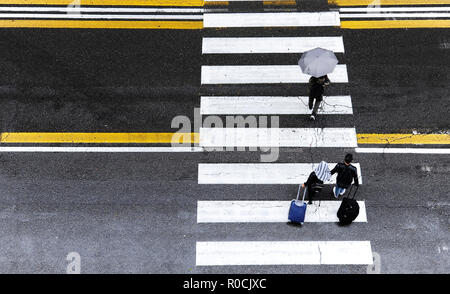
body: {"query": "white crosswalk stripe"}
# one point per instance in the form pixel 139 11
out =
pixel 283 253
pixel 260 173
pixel 270 45
pixel 268 212
pixel 263 74
pixel 239 105
pixel 278 137
pixel 279 19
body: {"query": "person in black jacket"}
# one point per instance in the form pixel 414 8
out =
pixel 316 90
pixel 346 174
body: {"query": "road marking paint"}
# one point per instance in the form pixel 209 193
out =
pixel 417 139
pixel 264 74
pixel 99 138
pixel 278 137
pixel 260 173
pixel 386 2
pixel 106 2
pixel 268 211
pixel 101 149
pixel 99 9
pixel 99 16
pixel 281 19
pixel 86 24
pixel 283 253
pixel 404 150
pixel 272 105
pixel 270 44
pixel 395 15
pixel 396 24
pixel 393 9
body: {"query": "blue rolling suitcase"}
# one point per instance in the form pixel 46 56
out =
pixel 297 210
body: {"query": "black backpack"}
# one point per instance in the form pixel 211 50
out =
pixel 349 209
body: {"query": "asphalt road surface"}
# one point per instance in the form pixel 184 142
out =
pixel 138 212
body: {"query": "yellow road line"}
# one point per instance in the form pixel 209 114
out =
pixel 395 24
pixel 280 2
pixel 130 138
pixel 216 3
pixel 386 2
pixel 190 138
pixel 415 139
pixel 102 24
pixel 198 3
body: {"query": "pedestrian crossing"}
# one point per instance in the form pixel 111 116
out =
pixel 254 45
pixel 278 137
pixel 258 211
pixel 244 211
pixel 276 105
pixel 283 253
pixel 263 74
pixel 260 173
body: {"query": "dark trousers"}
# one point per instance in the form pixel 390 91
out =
pixel 310 193
pixel 316 104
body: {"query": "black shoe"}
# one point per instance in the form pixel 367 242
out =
pixel 312 117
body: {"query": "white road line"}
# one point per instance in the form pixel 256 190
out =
pixel 393 9
pixel 98 16
pixel 264 74
pixel 268 211
pixel 278 137
pixel 396 15
pixel 260 173
pixel 404 150
pixel 101 149
pixel 280 19
pixel 270 45
pixel 272 105
pixel 101 9
pixel 283 253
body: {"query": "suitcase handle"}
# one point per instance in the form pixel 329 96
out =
pixel 304 192
pixel 354 194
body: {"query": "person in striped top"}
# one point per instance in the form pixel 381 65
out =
pixel 320 175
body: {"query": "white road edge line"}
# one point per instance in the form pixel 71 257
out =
pixel 102 149
pixel 98 16
pixel 404 150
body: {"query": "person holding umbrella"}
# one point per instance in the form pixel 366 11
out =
pixel 318 63
pixel 316 90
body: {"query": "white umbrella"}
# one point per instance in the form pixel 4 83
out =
pixel 318 62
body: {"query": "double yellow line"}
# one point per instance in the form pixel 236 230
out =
pixel 191 138
pixel 191 3
pixel 392 24
pixel 104 24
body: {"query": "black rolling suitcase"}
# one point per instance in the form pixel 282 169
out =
pixel 349 209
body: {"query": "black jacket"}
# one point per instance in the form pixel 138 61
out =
pixel 313 179
pixel 317 88
pixel 346 175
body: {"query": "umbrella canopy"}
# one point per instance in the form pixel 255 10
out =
pixel 318 62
